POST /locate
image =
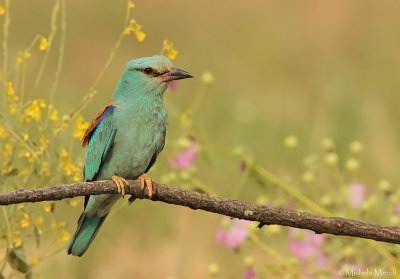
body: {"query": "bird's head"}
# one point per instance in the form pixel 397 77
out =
pixel 148 76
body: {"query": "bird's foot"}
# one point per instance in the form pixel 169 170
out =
pixel 121 182
pixel 147 184
pixel 131 200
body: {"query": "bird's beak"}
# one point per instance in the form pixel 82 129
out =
pixel 175 74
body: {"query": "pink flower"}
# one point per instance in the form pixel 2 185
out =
pixel 234 235
pixel 184 159
pixel 173 86
pixel 249 273
pixel 356 194
pixel 304 244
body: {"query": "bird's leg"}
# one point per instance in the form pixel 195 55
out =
pixel 147 184
pixel 121 182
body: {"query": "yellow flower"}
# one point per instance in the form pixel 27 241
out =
pixel 10 89
pixel 64 153
pixel 73 202
pixel 43 144
pixel 39 220
pixel 27 54
pixel 131 5
pixel 140 35
pixel 248 261
pixel 356 147
pixel 8 149
pixel 352 164
pixel 25 136
pixel 291 142
pixel 308 177
pixel 384 185
pixel 65 118
pixel 2 10
pixel 77 175
pixel 17 240
pixel 25 221
pixel 12 98
pixel 34 111
pixel 207 78
pixel 134 27
pixel 43 43
pixel 22 57
pixel 49 207
pixel 213 269
pixel 80 127
pixel 169 47
pixel 53 113
pixel 34 261
pixel 27 154
pixel 12 108
pixel 63 237
pixel 68 167
pixel 2 132
pixel 19 58
pixel 331 159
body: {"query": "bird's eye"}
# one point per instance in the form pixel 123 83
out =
pixel 148 70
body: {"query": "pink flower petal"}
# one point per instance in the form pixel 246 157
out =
pixel 235 235
pixel 173 86
pixel 184 159
pixel 307 246
pixel 357 194
pixel 249 273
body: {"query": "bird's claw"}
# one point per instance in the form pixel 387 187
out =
pixel 120 182
pixel 147 184
pixel 131 200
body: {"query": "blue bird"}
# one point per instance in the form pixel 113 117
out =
pixel 124 139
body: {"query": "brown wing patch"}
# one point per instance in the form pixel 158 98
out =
pixel 93 124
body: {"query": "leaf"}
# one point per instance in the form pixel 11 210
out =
pixel 16 259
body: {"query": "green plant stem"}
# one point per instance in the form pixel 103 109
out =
pixel 270 251
pixel 53 28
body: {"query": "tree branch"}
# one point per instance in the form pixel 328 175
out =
pixel 243 210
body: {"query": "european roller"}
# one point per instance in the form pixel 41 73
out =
pixel 124 139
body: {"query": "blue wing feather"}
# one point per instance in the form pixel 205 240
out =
pixel 99 144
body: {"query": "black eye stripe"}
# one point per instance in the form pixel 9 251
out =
pixel 150 72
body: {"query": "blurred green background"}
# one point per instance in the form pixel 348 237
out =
pixel 314 69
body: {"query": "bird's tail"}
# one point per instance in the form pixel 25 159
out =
pixel 85 233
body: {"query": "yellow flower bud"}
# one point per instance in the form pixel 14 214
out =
pixel 331 159
pixel 213 269
pixel 291 142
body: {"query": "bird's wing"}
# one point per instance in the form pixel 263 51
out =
pixel 93 124
pixel 98 137
pixel 155 155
